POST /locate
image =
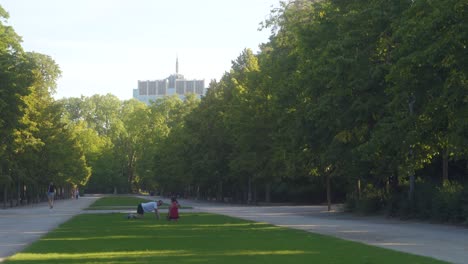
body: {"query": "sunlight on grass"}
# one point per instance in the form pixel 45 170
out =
pixel 111 237
pixel 149 253
pixel 98 255
pixel 195 238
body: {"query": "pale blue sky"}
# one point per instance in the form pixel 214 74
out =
pixel 106 46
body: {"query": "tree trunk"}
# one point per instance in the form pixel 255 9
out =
pixel 219 192
pixel 411 187
pixel 359 188
pixel 18 194
pixel 387 185
pixel 445 165
pixel 254 199
pixel 267 192
pixel 394 182
pixel 5 196
pixel 466 169
pixel 249 190
pixel 328 192
pixel 411 181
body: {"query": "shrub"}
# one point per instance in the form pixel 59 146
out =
pixel 422 206
pixel 372 200
pixel 447 203
pixel 351 202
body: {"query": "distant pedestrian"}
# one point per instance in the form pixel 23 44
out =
pixel 77 193
pixel 51 195
pixel 148 207
pixel 173 213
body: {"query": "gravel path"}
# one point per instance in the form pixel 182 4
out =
pixel 21 226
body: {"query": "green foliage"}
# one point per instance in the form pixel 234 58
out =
pixel 15 79
pixel 448 203
pixel 343 92
pixel 326 98
pixel 373 200
pixel 36 147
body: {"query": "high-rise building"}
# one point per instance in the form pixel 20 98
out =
pixel 148 91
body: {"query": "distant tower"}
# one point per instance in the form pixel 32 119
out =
pixel 175 84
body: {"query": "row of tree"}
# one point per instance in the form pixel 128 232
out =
pixel 122 139
pixel 363 101
pixel 36 146
pixel 67 141
pixel 348 100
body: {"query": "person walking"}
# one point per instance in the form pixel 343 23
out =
pixel 51 194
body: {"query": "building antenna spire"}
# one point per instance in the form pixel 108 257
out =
pixel 177 65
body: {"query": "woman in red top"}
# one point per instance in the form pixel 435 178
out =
pixel 173 210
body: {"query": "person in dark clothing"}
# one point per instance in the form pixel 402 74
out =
pixel 51 194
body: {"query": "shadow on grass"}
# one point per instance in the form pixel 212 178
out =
pixel 200 237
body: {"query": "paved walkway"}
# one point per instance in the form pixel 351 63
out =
pixel 21 226
pixel 448 243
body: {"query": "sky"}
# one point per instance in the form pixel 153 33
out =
pixel 106 46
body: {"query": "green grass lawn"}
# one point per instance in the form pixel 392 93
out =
pixel 196 238
pixel 122 202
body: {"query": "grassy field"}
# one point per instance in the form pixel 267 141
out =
pixel 196 238
pixel 121 202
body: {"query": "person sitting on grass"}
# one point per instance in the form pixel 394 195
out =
pixel 146 208
pixel 173 213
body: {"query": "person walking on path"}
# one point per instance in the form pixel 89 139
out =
pixel 51 195
pixel 146 208
pixel 173 213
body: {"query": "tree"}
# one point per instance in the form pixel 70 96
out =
pixel 430 41
pixel 15 79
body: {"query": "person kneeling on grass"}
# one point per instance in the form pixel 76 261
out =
pixel 146 208
pixel 173 213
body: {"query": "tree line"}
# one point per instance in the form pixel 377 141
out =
pixel 36 145
pixel 349 101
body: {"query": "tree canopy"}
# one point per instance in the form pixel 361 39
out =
pixel 349 101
